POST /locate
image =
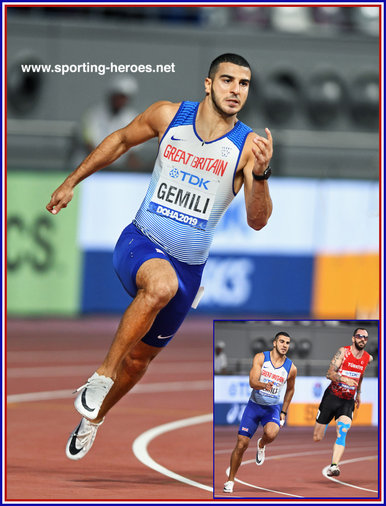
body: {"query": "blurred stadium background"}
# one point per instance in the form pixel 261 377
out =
pixel 313 344
pixel 315 84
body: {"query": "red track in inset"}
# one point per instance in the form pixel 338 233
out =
pixel 294 464
pixel 54 355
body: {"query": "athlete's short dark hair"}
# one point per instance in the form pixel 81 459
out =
pixel 359 328
pixel 281 334
pixel 227 58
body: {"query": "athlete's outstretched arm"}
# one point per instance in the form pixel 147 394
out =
pixel 151 123
pixel 257 198
pixel 255 373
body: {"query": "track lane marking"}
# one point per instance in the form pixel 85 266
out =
pixel 145 388
pixel 255 486
pixel 141 443
pixel 66 370
pixel 300 454
pixel 359 459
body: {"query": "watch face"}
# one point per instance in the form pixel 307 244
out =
pixel 267 172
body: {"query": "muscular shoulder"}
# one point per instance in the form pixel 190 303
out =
pixel 159 115
pixel 164 108
pixel 293 371
pixel 338 357
pixel 258 359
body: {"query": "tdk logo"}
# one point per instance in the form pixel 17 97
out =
pixel 174 173
pixel 195 180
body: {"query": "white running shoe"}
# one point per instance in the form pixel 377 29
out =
pixel 260 454
pixel 89 401
pixel 333 470
pixel 81 439
pixel 228 486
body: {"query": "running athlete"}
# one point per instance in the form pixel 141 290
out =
pixel 271 370
pixel 205 156
pixel 343 394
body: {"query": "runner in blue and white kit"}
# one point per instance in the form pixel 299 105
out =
pixel 271 370
pixel 205 156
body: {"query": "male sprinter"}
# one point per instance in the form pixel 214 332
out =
pixel 343 394
pixel 271 370
pixel 160 256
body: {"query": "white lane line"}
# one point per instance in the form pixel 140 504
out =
pixel 324 472
pixel 299 454
pixel 42 355
pixel 52 371
pixel 262 488
pixel 39 396
pixel 266 489
pixel 141 443
pixel 65 370
pixel 278 456
pixel 145 388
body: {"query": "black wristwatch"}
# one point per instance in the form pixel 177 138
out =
pixel 284 413
pixel 265 175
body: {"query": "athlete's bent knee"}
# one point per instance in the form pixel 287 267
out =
pixel 270 434
pixel 342 433
pixel 159 294
pixel 242 444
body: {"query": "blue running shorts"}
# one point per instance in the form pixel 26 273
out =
pixel 257 413
pixel 131 251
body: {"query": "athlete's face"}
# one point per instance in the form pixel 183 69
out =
pixel 360 339
pixel 282 344
pixel 229 88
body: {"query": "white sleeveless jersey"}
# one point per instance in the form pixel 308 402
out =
pixel 269 373
pixel 191 187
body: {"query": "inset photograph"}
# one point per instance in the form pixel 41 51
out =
pixel 296 409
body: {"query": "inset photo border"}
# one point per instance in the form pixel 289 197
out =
pixel 297 410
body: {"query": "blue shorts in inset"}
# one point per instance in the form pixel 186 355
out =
pixel 257 413
pixel 131 251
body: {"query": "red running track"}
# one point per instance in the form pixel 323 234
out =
pixel 57 356
pixel 294 463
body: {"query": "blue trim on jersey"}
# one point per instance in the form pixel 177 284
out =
pixel 235 135
pixel 287 362
pixel 186 114
pixel 238 158
pixel 238 134
pixel 168 128
pixel 287 365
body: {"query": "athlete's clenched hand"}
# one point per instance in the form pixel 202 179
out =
pixel 268 386
pixel 60 198
pixel 349 381
pixel 262 150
